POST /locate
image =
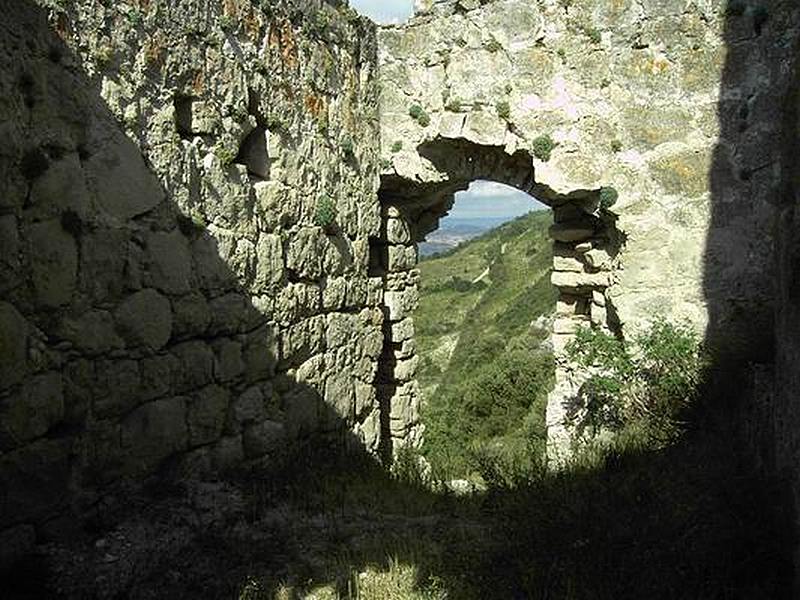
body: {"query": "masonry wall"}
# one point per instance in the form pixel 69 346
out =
pixel 173 295
pixel 669 103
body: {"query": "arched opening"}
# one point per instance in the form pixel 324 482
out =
pixel 486 306
pixel 584 245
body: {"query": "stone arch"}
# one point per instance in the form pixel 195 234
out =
pixel 586 243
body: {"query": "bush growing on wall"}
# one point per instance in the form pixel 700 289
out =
pixel 647 384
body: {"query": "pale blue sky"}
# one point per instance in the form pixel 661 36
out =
pixel 385 11
pixel 490 199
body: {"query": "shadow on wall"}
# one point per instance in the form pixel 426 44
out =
pixel 751 260
pixel 130 351
pixel 194 387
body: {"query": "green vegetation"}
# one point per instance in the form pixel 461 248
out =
pixel 616 146
pixel 503 109
pixel 419 115
pixel 593 34
pixel 227 23
pixel 608 197
pixel 483 368
pixel 397 146
pixel 644 386
pixel 543 147
pixel 325 213
pixel 492 45
pixel 347 147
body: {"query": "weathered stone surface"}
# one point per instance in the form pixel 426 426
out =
pixel 13 345
pixel 153 432
pixel 169 263
pixel 32 411
pixel 207 411
pixel 145 319
pixel 54 263
pixel 264 438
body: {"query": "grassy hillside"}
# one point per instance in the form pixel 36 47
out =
pixel 483 370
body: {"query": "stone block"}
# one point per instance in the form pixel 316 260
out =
pixel 9 253
pixel 190 315
pixel 154 432
pixel 122 185
pixel 92 332
pixel 117 387
pixel 207 412
pixel 158 373
pixel 402 303
pixel 231 313
pixel 580 280
pixel 597 259
pixel 228 453
pixel 572 232
pixel 562 263
pixel 248 408
pixel 145 319
pixel 341 328
pixel 340 397
pixel 402 330
pixel 398 231
pixel 401 258
pixel 260 353
pixel 169 263
pixel 406 369
pixel 54 263
pixel 195 365
pixel 305 253
pixel 32 411
pixel 264 438
pixel 13 345
pixel 104 255
pixel 269 263
pixel 229 363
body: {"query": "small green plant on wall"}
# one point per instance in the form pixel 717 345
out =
pixel 397 146
pixel 608 197
pixel 504 110
pixel 543 147
pixel 325 214
pixel 419 115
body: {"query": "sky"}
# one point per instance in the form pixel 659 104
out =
pixel 490 199
pixel 385 11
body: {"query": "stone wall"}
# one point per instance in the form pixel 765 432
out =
pixel 584 103
pixel 173 291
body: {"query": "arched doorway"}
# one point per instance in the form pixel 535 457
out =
pixel 585 244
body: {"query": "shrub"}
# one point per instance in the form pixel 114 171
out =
pixel 593 34
pixel 543 147
pixel 608 197
pixel 616 146
pixel 419 115
pixel 454 105
pixel 504 109
pixel 227 23
pixel 397 146
pixel 325 214
pixel 646 385
pixel 347 147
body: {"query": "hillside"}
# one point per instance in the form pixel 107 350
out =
pixel 483 368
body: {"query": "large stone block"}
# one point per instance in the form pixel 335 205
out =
pixel 196 365
pixel 153 432
pixel 207 411
pixel 9 253
pixel 269 263
pixel 169 263
pixel 145 319
pixel 264 438
pixel 117 388
pixel 191 315
pixel 13 345
pixel 122 185
pixel 92 332
pixel 54 263
pixel 32 411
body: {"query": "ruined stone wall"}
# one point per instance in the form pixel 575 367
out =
pixel 173 290
pixel 642 108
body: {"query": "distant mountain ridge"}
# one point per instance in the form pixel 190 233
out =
pixel 454 231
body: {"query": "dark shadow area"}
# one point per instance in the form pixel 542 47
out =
pixel 691 521
pixel 751 260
